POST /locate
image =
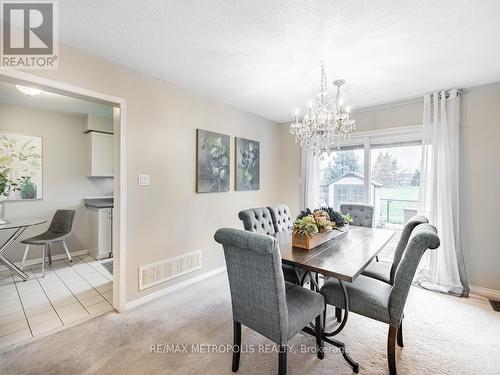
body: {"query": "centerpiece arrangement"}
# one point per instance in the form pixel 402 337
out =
pixel 312 228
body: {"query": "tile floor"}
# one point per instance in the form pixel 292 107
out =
pixel 65 295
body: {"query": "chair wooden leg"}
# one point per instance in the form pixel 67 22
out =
pixel 26 251
pixel 338 314
pixel 391 349
pixel 400 334
pixel 282 360
pixel 67 252
pixel 324 319
pixel 319 336
pixel 237 345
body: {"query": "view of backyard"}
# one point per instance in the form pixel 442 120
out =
pixel 394 200
pixel 395 181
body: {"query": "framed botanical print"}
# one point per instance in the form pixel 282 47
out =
pixel 20 167
pixel 212 162
pixel 247 164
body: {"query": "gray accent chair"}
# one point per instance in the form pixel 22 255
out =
pixel 261 220
pixel 280 214
pixel 59 229
pixel 257 220
pixel 362 214
pixel 261 299
pixel 385 271
pixel 382 301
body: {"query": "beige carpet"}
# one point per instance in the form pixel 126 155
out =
pixel 443 335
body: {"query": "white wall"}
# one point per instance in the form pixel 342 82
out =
pixel 169 218
pixel 480 184
pixel 64 175
pixel 480 173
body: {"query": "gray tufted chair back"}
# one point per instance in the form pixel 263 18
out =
pixel 257 220
pixel 362 214
pixel 423 237
pixel 256 282
pixel 403 241
pixel 62 222
pixel 280 214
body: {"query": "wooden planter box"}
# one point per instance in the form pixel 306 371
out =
pixel 308 243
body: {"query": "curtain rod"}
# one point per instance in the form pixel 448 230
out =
pixel 399 103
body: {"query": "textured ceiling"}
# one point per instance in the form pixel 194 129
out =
pixel 263 55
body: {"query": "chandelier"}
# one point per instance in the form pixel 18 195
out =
pixel 326 123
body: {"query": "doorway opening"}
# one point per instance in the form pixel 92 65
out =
pixel 61 166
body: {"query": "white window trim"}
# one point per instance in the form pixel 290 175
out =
pixel 396 134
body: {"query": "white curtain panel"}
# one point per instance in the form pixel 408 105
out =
pixel 309 180
pixel 442 269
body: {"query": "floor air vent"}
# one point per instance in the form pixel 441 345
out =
pixel 495 305
pixel 164 270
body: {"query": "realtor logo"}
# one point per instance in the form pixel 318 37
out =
pixel 29 34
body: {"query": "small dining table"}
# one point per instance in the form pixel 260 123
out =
pixel 20 226
pixel 343 258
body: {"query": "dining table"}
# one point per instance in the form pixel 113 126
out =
pixel 20 226
pixel 344 258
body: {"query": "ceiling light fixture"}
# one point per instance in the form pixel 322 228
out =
pixel 326 123
pixel 30 91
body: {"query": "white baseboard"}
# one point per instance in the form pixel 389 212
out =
pixel 485 292
pixel 173 288
pixel 32 262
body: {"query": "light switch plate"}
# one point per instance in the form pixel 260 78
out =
pixel 144 180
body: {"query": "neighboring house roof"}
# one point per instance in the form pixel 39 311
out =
pixel 355 175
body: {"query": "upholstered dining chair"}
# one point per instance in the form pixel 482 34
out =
pixel 271 220
pixel 261 299
pixel 59 229
pixel 381 301
pixel 280 213
pixel 363 215
pixel 257 220
pixel 385 271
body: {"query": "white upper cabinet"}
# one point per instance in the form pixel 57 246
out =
pixel 97 123
pixel 100 154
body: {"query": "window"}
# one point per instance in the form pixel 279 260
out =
pixel 341 177
pixel 358 194
pixel 391 158
pixel 395 170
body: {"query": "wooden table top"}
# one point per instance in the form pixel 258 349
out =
pixel 343 258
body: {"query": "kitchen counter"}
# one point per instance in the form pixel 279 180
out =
pixel 99 203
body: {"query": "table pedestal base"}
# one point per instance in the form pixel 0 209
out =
pixel 338 344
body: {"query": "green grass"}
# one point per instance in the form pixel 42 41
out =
pixel 396 213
